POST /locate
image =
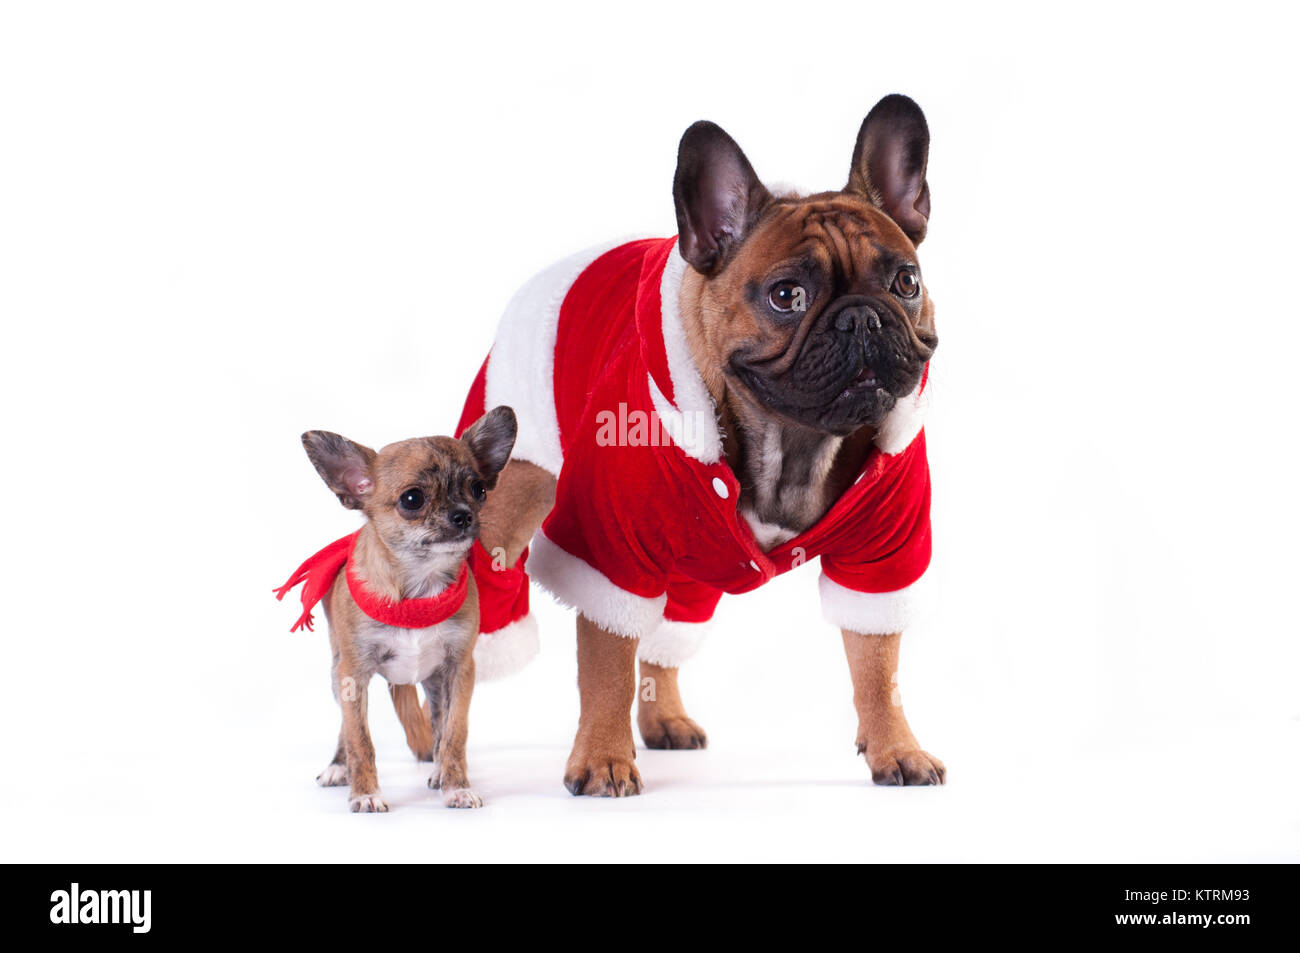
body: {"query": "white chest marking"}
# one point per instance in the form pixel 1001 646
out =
pixel 769 535
pixel 408 656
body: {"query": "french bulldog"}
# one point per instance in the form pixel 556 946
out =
pixel 700 413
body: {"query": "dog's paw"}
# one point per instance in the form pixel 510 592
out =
pixel 906 766
pixel 461 797
pixel 679 733
pixel 597 775
pixel 368 804
pixel 333 776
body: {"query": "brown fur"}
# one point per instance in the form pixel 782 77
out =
pixel 522 499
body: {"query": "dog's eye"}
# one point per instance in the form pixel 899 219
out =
pixel 906 284
pixel 479 489
pixel 411 500
pixel 788 296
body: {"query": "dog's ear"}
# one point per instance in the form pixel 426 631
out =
pixel 490 440
pixel 346 467
pixel 717 194
pixel 889 163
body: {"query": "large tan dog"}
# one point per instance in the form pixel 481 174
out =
pixel 782 344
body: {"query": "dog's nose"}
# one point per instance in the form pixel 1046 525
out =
pixel 860 316
pixel 460 517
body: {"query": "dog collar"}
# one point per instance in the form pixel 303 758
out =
pixel 317 575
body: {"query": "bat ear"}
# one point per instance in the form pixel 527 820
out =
pixel 490 440
pixel 717 194
pixel 889 164
pixel 346 467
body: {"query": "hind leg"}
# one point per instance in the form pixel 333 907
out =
pixel 415 721
pixel 660 715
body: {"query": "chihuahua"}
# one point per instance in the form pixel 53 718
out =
pixel 398 594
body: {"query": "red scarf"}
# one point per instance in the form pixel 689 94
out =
pixel 320 571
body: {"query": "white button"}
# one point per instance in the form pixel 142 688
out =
pixel 720 488
pixel 754 566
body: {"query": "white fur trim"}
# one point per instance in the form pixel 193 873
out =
pixel 870 613
pixel 507 650
pixel 904 422
pixel 575 583
pixel 672 643
pixel 693 422
pixel 521 367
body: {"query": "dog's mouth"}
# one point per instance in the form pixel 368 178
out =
pixel 866 380
pixel 839 406
pixel 833 389
pixel 847 372
pixel 432 544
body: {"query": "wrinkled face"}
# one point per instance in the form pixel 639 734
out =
pixel 427 495
pixel 814 307
pixel 828 319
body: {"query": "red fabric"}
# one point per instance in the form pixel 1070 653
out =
pixel 318 572
pixel 690 601
pixel 589 350
pixel 648 313
pixel 649 517
pixel 502 592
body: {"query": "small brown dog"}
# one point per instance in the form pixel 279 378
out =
pixel 399 596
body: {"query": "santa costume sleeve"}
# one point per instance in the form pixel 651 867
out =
pixel 872 570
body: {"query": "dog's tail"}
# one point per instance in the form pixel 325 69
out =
pixel 415 720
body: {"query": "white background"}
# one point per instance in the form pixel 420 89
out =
pixel 222 224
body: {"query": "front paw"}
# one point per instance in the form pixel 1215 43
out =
pixel 368 804
pixel 461 797
pixel 601 773
pixel 905 766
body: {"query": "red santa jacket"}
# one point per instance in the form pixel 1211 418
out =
pixel 645 536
